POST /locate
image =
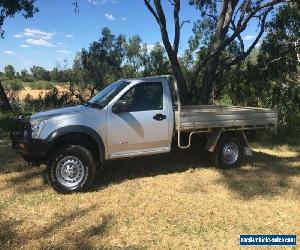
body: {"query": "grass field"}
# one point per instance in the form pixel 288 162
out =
pixel 175 201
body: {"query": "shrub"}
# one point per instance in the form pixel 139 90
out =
pixel 53 99
pixel 12 87
pixel 7 121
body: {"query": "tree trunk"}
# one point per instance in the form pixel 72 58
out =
pixel 208 79
pixel 182 85
pixel 172 51
pixel 4 103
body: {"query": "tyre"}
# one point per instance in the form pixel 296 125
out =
pixel 71 169
pixel 228 152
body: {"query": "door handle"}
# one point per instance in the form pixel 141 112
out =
pixel 159 117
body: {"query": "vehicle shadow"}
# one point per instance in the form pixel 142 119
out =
pixel 260 175
pixel 117 171
pixel 264 176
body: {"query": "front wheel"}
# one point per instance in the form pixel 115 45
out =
pixel 228 152
pixel 71 169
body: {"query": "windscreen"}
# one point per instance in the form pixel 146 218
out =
pixel 108 93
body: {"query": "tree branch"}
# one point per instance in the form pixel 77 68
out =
pixel 150 8
pixel 229 14
pixel 221 20
pixel 221 30
pixel 212 16
pixel 76 7
pixel 242 46
pixel 240 27
pixel 258 8
pixel 177 25
pixel 243 8
pixel 183 22
pixel 243 55
pixel 163 27
pixel 159 15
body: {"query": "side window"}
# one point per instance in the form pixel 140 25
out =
pixel 145 96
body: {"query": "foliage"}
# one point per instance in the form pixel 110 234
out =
pixel 25 76
pixel 111 58
pixel 7 121
pixel 133 52
pixel 159 63
pixel 12 88
pixel 217 33
pixel 9 71
pixel 39 73
pixel 52 99
pixel 60 75
pixel 154 62
pixel 281 48
pixel 270 77
pixel 8 8
pixel 98 65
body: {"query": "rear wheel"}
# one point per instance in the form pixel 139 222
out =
pixel 71 169
pixel 228 152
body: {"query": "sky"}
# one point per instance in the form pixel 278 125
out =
pixel 56 33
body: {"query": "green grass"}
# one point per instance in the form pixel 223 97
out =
pixel 40 85
pixel 18 84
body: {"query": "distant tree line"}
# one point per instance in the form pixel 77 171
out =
pixel 36 73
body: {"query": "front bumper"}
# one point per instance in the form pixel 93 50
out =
pixel 32 150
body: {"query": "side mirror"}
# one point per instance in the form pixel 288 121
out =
pixel 120 106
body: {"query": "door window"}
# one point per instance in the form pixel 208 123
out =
pixel 145 96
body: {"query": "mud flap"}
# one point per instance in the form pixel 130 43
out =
pixel 215 135
pixel 246 148
pixel 247 151
pixel 213 140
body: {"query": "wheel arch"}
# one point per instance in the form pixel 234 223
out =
pixel 215 136
pixel 78 132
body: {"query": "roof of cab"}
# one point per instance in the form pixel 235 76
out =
pixel 148 78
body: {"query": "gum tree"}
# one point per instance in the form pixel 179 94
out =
pixel 227 20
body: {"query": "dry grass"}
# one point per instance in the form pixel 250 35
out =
pixel 175 201
pixel 36 93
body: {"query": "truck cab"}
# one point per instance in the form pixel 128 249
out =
pixel 140 119
pixel 130 117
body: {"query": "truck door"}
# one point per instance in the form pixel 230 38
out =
pixel 144 128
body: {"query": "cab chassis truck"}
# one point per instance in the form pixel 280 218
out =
pixel 128 118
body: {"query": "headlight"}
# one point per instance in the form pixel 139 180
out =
pixel 36 128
